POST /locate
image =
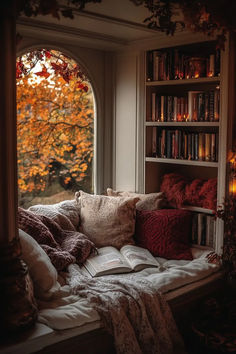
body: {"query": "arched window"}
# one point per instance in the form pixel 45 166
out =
pixel 55 128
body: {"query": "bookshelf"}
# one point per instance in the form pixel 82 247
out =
pixel 186 118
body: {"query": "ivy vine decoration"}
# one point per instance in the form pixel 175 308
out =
pixel 204 16
pixel 227 213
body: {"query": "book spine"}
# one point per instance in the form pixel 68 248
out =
pixel 216 105
pixel 203 231
pixel 211 65
pixel 194 228
pixel 196 143
pixel 201 107
pixel 185 146
pixel 163 143
pixel 173 145
pixel 162 108
pixel 175 109
pixel 199 234
pixel 180 149
pixel 154 141
pixel 211 106
pixel 169 108
pixel 192 146
pixel 186 108
pixel 179 109
pixel 193 105
pixel 153 106
pixel 206 113
pixel 210 226
pixel 149 58
pixel 156 56
pixel 182 108
pixel 189 147
pixel 207 147
pixel 202 222
pixel 201 147
pixel 213 147
pixel 169 142
pixel 157 109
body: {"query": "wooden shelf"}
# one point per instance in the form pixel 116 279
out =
pixel 182 162
pixel 198 209
pixel 200 80
pixel 181 124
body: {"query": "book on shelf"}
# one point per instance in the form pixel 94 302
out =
pixel 203 229
pixel 175 64
pixel 111 261
pixel 197 106
pixel 154 141
pixel 203 106
pixel 179 144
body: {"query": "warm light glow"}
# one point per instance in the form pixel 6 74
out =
pixel 210 74
pixel 179 118
pixel 232 176
pixel 196 75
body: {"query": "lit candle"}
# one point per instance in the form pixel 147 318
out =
pixel 232 182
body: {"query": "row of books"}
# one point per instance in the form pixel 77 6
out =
pixel 179 144
pixel 198 106
pixel 174 65
pixel 203 230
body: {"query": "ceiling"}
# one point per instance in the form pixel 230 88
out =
pixel 109 25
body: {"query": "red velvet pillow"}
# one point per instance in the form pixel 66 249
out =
pixel 165 233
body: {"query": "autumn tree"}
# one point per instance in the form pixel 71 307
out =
pixel 55 122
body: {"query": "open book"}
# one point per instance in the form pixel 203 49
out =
pixel 111 261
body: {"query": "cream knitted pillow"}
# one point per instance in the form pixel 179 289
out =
pixel 151 201
pixel 107 221
pixel 41 270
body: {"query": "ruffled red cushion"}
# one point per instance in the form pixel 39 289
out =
pixel 165 233
pixel 180 191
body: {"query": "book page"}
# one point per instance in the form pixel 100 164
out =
pixel 138 257
pixel 108 261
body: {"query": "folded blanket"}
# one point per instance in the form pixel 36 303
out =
pixel 63 247
pixel 133 311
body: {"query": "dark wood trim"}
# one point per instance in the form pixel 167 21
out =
pixel 17 306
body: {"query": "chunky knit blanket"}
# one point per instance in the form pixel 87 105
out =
pixel 137 316
pixel 62 246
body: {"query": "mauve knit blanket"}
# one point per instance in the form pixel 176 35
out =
pixel 62 246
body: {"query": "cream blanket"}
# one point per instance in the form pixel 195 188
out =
pixel 132 311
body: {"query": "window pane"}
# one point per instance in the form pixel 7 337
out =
pixel 55 128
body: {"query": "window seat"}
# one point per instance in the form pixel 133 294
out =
pixel 91 336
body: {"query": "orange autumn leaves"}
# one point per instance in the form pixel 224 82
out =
pixel 55 122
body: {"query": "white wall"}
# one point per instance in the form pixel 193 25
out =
pixel 128 122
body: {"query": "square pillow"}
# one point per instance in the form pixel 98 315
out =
pixel 151 201
pixel 65 214
pixel 107 221
pixel 165 233
pixel 41 270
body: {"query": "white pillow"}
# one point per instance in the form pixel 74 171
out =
pixel 65 213
pixel 151 201
pixel 41 270
pixel 107 221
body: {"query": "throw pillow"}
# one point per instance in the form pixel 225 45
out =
pixel 165 233
pixel 151 201
pixel 180 191
pixel 62 246
pixel 65 214
pixel 42 272
pixel 107 221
